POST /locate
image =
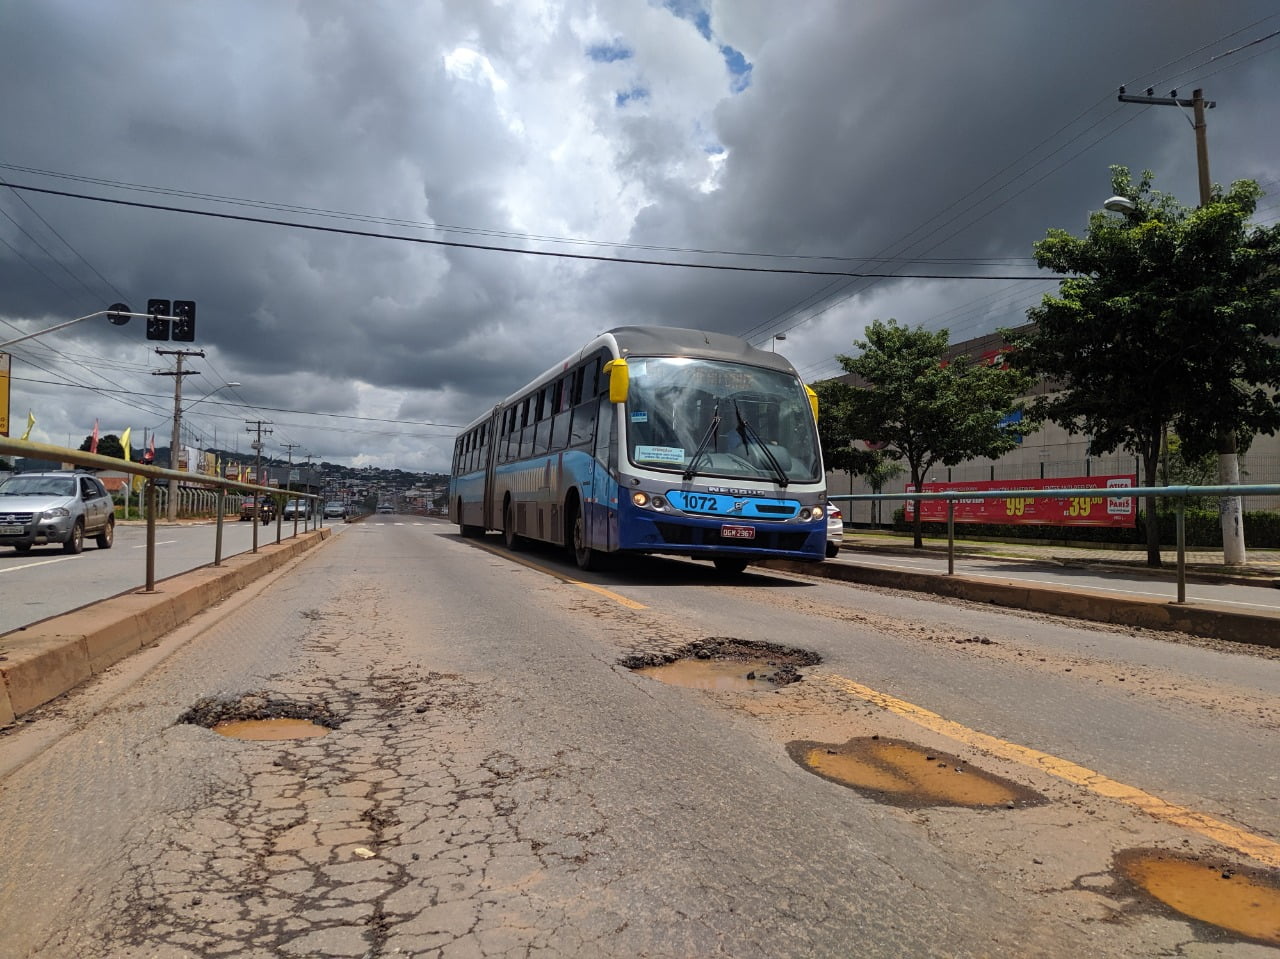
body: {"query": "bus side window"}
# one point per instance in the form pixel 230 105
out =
pixel 605 451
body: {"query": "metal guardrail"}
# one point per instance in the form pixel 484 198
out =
pixel 220 486
pixel 1178 493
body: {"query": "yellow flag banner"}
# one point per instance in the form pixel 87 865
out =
pixel 4 394
pixel 124 441
pixel 31 421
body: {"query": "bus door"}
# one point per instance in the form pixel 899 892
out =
pixel 490 453
pixel 602 523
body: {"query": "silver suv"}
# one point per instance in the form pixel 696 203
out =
pixel 60 507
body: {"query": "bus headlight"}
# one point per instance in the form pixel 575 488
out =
pixel 659 503
pixel 806 514
pixel 640 499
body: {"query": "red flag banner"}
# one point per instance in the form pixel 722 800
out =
pixel 93 443
pixel 1105 509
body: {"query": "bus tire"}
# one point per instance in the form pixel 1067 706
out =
pixel 513 540
pixel 584 556
pixel 730 565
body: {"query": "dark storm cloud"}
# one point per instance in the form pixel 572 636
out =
pixel 906 132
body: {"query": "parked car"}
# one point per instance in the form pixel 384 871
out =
pixel 297 509
pixel 56 507
pixel 835 529
pixel 386 508
pixel 334 510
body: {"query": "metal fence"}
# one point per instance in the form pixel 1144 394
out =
pixel 1179 495
pixel 191 488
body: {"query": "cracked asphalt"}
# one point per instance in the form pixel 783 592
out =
pixel 498 784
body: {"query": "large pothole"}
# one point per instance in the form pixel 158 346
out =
pixel 904 774
pixel 258 716
pixel 1240 900
pixel 725 663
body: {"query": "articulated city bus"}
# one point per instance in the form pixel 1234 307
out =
pixel 651 440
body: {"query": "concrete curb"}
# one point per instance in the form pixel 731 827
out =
pixel 41 662
pixel 1198 620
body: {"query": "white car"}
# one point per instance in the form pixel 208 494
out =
pixel 57 507
pixel 835 529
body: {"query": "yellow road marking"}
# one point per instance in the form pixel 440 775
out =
pixel 608 593
pixel 1257 847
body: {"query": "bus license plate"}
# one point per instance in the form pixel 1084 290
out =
pixel 737 532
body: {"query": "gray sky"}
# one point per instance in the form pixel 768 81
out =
pixel 917 137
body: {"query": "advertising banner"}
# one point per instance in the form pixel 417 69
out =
pixel 1101 510
pixel 4 394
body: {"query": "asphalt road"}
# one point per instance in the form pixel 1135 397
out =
pixel 500 784
pixel 46 581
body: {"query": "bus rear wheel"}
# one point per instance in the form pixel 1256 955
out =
pixel 730 564
pixel 586 557
pixel 513 539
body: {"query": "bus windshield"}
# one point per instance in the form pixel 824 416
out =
pixel 711 418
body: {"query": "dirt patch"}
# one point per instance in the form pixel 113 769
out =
pixel 771 663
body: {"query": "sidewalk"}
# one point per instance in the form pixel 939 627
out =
pixel 1262 569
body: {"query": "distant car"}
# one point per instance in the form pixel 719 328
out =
pixel 334 510
pixel 835 530
pixel 56 507
pixel 385 508
pixel 297 509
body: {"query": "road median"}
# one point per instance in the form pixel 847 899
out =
pixel 40 662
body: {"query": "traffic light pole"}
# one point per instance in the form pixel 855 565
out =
pixel 177 417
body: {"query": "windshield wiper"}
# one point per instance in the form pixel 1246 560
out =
pixel 746 430
pixel 712 429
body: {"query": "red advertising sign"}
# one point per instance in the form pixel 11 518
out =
pixel 1101 510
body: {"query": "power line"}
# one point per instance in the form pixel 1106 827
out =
pixel 343 231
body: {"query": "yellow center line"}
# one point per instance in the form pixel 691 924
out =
pixel 608 593
pixel 1257 847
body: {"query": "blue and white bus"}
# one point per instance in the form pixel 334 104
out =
pixel 651 440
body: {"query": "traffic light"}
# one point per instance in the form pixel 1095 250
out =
pixel 158 314
pixel 184 320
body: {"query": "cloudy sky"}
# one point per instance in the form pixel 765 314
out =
pixel 919 138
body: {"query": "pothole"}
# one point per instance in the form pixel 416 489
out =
pixel 904 774
pixel 259 717
pixel 1240 900
pixel 724 663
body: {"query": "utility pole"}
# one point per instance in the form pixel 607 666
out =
pixel 177 417
pixel 259 427
pixel 1232 512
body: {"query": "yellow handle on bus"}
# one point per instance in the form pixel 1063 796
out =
pixel 619 380
pixel 813 401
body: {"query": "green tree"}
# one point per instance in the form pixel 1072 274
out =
pixel 925 409
pixel 1167 320
pixel 108 445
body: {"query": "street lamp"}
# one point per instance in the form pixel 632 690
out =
pixel 773 344
pixel 1120 204
pixel 173 446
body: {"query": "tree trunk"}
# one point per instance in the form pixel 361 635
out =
pixel 918 525
pixel 1150 468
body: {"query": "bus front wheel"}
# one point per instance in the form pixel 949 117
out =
pixel 586 557
pixel 730 564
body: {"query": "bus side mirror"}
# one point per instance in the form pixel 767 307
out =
pixel 813 402
pixel 619 380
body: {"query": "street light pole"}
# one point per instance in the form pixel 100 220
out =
pixel 172 500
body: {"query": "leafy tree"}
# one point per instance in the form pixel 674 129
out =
pixel 834 435
pixel 108 445
pixel 925 409
pixel 1168 319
